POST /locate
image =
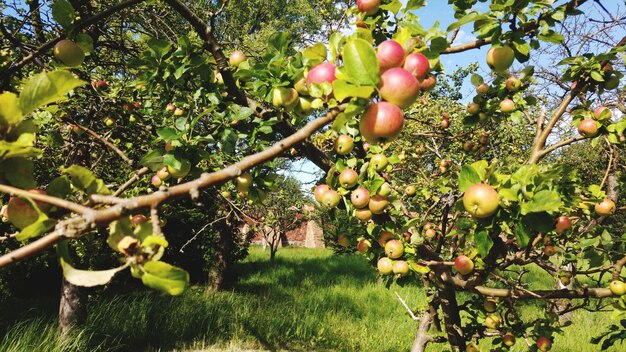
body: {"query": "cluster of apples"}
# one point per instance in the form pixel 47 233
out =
pixel 176 111
pixel 477 145
pixel 589 126
pixel 168 171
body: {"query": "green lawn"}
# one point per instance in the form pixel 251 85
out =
pixel 308 300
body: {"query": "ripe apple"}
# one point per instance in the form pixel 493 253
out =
pixel 319 192
pixel 69 53
pixel 156 181
pixel 544 344
pixel 236 58
pixel 507 105
pixel 348 178
pixel 500 58
pixel 483 140
pixel 599 110
pixel 343 241
pixel 493 321
pixel 324 72
pixel 344 144
pixel 617 287
pixel 428 226
pixel 394 249
pixel 482 88
pixel 445 123
pixel 379 162
pixel 364 246
pixel 360 197
pixel 430 233
pixel 473 108
pixel 481 200
pixel 463 264
pixel 381 122
pixel 283 97
pixel 243 182
pixel 163 173
pixel 363 214
pixel 410 190
pixel 179 112
pixel 588 128
pixel 399 87
pixel 606 207
pixel 138 219
pixel 378 204
pixel 384 189
pixel 21 214
pixel 549 250
pixel 467 146
pixel 428 83
pixel 109 121
pixel 370 7
pixel 563 223
pixel 390 54
pixel 170 107
pixel 513 84
pixel 169 147
pixel 331 198
pixel 401 268
pixel 508 339
pixel 385 237
pixel 490 305
pixel 182 171
pixel 385 266
pixel 417 64
pixel 100 84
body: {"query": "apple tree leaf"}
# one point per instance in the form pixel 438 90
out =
pixel 483 243
pixel 165 277
pixel 10 112
pixel 468 177
pixel 46 88
pixel 344 89
pixel 544 200
pixel 361 63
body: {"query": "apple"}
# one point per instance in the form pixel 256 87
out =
pixel 179 112
pixel 428 83
pixel 549 250
pixel 508 339
pixel 468 146
pixel 348 178
pixel 360 197
pixel 385 266
pixel 493 321
pixel 481 200
pixel 544 344
pixel 463 264
pixel 379 162
pixel 430 233
pixel 69 53
pixel 364 246
pixel 490 305
pixel 169 147
pixel 482 88
pixel 182 171
pixel 611 82
pixel 331 198
pixel 170 107
pixel 344 144
pixel 563 223
pixel 236 58
pixel 20 212
pixel 513 84
pixel 381 122
pixel 473 108
pixel 483 140
pixel 410 190
pixel 445 123
pixel 378 204
pixel 156 181
pixel 244 181
pixel 138 219
pixel 319 192
pixel 394 249
pixel 100 84
pixel 390 54
pixel 343 241
pixel 132 118
pixel 283 97
pixel 300 87
pixel 482 117
pixel 507 105
pixel 617 287
pixel 417 64
pixel 128 107
pixel 225 194
pixel 385 237
pixel 163 173
pixel 500 58
pixel 370 7
pixel 324 72
pixel 588 128
pixel 606 207
pixel 109 121
pixel 401 268
pixel 428 226
pixel 597 113
pixel 304 106
pixel 384 189
pixel 363 214
pixel 399 87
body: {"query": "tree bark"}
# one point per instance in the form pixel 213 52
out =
pixel 452 319
pixel 71 309
pixel 219 271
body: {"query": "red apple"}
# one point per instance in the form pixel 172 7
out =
pixel 417 64
pixel 500 58
pixel 360 197
pixel 378 204
pixel 170 107
pixel 463 264
pixel 588 128
pixel 348 178
pixel 236 58
pixel 507 105
pixel 430 233
pixel 481 200
pixel 482 88
pixel 544 344
pixel 370 7
pixel 385 237
pixel 513 84
pixel 385 266
pixel 563 223
pixel 508 339
pixel 399 87
pixel 363 214
pixel 344 144
pixel 401 268
pixel 331 198
pixel 599 110
pixel 138 219
pixel 364 246
pixel 549 250
pixel 390 54
pixel 324 72
pixel 156 181
pixel 21 214
pixel 394 249
pixel 382 122
pixel 428 83
pixel 343 241
pixel 319 192
pixel 606 207
pixel 445 123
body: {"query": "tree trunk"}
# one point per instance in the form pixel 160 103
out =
pixel 219 271
pixel 71 309
pixel 452 319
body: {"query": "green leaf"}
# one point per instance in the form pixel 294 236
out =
pixel 59 187
pixel 167 133
pixel 316 52
pixel 159 47
pixel 544 200
pixel 36 229
pixel 88 278
pixel 83 179
pixel 439 44
pixel 46 88
pixel 468 18
pixel 483 243
pixel 522 235
pixel 467 178
pixel 21 174
pixel 343 89
pixel 152 160
pixel 361 64
pixel 597 76
pixel 10 112
pixel 540 222
pixel 477 79
pixel 85 42
pixel 165 277
pixel 63 13
pixel 119 229
pixel 23 147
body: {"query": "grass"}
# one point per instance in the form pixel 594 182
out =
pixel 307 300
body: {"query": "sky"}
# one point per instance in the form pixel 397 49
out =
pixel 439 10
